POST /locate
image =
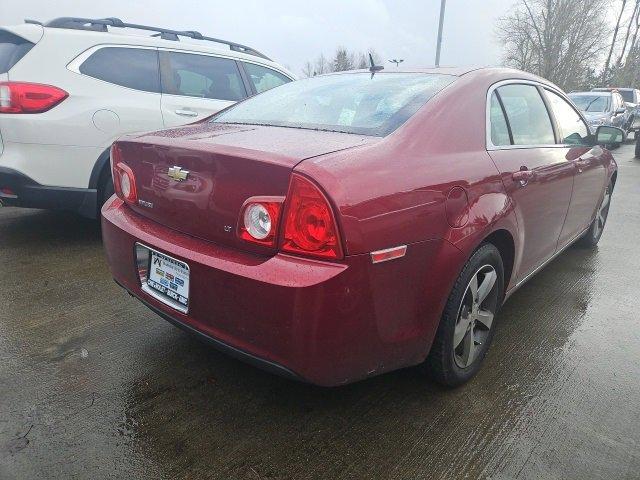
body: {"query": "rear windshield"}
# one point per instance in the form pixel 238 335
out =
pixel 591 103
pixel 627 95
pixel 349 103
pixel 12 49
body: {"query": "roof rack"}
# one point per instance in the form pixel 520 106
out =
pixel 103 24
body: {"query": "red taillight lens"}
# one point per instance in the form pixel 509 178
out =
pixel 309 224
pixel 259 219
pixel 124 181
pixel 23 97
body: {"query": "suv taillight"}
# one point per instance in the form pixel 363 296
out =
pixel 310 227
pixel 124 181
pixel 23 97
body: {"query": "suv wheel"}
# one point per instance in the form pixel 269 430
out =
pixel 106 190
pixel 467 324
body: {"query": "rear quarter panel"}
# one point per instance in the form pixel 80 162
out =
pixel 406 190
pixel 395 192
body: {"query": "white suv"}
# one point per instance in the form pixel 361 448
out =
pixel 70 87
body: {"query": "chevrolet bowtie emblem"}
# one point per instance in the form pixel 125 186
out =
pixel 177 173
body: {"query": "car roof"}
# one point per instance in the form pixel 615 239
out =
pixel 610 89
pixel 493 74
pixel 592 93
pixel 33 32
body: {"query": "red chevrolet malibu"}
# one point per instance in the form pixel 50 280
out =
pixel 346 225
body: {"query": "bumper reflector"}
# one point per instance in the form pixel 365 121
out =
pixel 388 254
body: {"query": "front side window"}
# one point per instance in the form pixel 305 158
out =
pixel 349 102
pixel 499 129
pixel 264 78
pixel 527 115
pixel 135 68
pixel 201 76
pixel 572 129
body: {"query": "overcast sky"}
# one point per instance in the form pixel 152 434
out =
pixel 292 32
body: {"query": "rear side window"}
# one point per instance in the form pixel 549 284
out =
pixel 12 49
pixel 573 130
pixel 264 78
pixel 527 115
pixel 135 68
pixel 201 76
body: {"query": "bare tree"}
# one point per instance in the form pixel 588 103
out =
pixel 605 70
pixel 557 39
pixel 322 65
pixel 308 70
pixel 636 9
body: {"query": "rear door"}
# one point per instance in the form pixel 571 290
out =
pixel 588 162
pixel 195 86
pixel 537 176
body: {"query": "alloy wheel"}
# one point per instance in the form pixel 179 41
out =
pixel 475 316
pixel 603 212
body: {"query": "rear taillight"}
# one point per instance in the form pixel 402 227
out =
pixel 124 181
pixel 259 218
pixel 23 97
pixel 310 227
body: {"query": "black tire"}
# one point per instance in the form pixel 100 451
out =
pixel 637 152
pixel 443 362
pixel 105 190
pixel 592 236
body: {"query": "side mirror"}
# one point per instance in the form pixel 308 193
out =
pixel 620 110
pixel 606 135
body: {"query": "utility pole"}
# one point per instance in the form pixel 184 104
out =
pixel 443 3
pixel 397 61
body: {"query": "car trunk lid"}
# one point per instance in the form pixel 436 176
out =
pixel 223 165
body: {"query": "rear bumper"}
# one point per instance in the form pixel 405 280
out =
pixel 325 323
pixel 30 194
pixel 223 347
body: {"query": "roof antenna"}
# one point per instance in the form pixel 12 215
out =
pixel 374 68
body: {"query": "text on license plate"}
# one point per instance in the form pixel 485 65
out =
pixel 170 277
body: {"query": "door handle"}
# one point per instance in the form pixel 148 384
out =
pixel 186 113
pixel 582 164
pixel 523 176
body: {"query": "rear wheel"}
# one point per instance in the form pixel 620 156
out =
pixel 637 153
pixel 467 324
pixel 105 189
pixel 592 236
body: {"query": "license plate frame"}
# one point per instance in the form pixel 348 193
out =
pixel 171 271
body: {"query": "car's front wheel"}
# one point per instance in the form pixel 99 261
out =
pixel 467 324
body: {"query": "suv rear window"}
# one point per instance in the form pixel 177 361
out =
pixel 201 76
pixel 12 49
pixel 627 95
pixel 264 78
pixel 136 68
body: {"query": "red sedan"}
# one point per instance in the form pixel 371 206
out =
pixel 346 225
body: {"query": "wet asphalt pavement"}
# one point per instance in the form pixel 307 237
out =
pixel 94 385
